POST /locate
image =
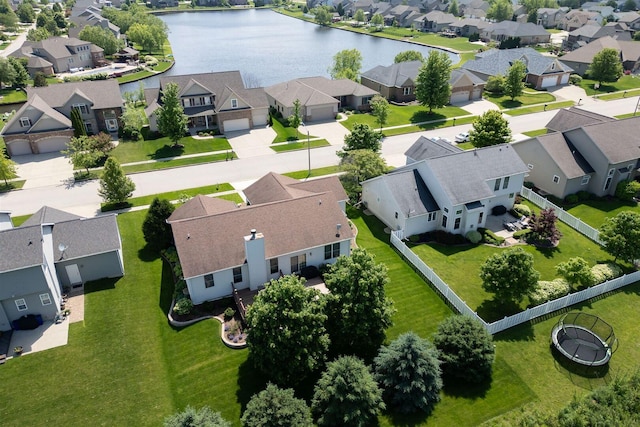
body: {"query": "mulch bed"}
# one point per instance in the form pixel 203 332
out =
pixel 210 308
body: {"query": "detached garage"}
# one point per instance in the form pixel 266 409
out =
pixel 235 125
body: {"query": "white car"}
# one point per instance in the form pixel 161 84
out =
pixel 462 137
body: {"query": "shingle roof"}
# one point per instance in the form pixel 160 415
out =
pixel 458 73
pixel 395 75
pixel 103 93
pixel 630 50
pixel 273 187
pixel 497 61
pixel 473 22
pixel 566 157
pixel 201 206
pixel 49 215
pixel 425 148
pixel 618 140
pixel 56 47
pixel 20 248
pixel 517 29
pixel 316 91
pixel 216 242
pixel 571 118
pixel 49 118
pixel 410 192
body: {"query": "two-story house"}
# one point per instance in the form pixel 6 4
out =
pixel 445 188
pixel 213 100
pixel 60 54
pixel 43 125
pixel 528 33
pixel 288 226
pixel 551 17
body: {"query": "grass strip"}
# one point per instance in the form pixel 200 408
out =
pixel 536 132
pixel 12 185
pixel 539 108
pixel 328 170
pixel 171 195
pixel 143 167
pixel 293 146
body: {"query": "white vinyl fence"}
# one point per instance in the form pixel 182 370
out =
pixel 531 313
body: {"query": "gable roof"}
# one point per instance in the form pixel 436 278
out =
pixel 49 215
pixel 410 192
pixel 394 75
pixel 57 47
pixel 49 119
pixel 472 22
pixel 517 29
pixel 426 148
pixel 20 247
pixel 274 187
pixel 619 140
pixel 316 90
pixel 102 93
pixel 497 61
pixel 574 117
pixel 201 206
pixel 216 242
pixel 630 50
pixel 564 154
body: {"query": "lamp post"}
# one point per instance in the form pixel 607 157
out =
pixel 308 149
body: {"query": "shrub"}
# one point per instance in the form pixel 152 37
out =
pixel 584 195
pixel 528 184
pixel 572 199
pixel 446 238
pixel 495 84
pixel 604 272
pixel 415 238
pixel 498 210
pixel 183 306
pixel 151 61
pixel 490 237
pixel 474 236
pixel 178 291
pixel 229 313
pixel 575 79
pixel 309 272
pixel 547 291
pixel 474 37
pixel 522 210
pixel 627 190
pixel 521 234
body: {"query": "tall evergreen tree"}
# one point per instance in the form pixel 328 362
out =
pixel 79 129
pixel 157 233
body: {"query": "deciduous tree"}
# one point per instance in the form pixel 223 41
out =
pixel 322 15
pixel 606 66
pixel 101 37
pixel 157 233
pixel 359 310
pixel 115 186
pixel 408 55
pixel 432 84
pixel 7 73
pixel 408 370
pixel 346 395
pixel 37 34
pixel 358 166
pixel 380 109
pixel 543 227
pixel 576 271
pixel 8 18
pixel 191 417
pixel 465 349
pixel 7 169
pixel 359 16
pixel 22 76
pixel 363 137
pixel 377 20
pixel 621 234
pixel 286 322
pixel 274 406
pixel 295 119
pixel 82 153
pixel 346 64
pixel 509 274
pixel 133 120
pixel 172 121
pixel 40 80
pixel 25 13
pixel 491 128
pixel 514 81
pixel 500 10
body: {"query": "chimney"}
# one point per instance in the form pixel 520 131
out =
pixel 254 251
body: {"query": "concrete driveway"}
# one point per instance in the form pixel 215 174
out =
pixel 478 107
pixel 41 170
pixel 571 93
pixel 252 143
pixel 332 131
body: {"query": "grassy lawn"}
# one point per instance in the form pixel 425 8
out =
pixel 11 185
pixel 163 66
pixel 623 83
pixel 179 162
pixel 161 148
pixel 404 115
pixel 594 212
pixel 464 57
pixel 504 101
pixel 538 108
pixel 625 116
pixel 10 95
pixel 138 75
pixel 314 172
pixel 620 95
pixel 302 145
pixel 536 132
pixel 428 126
pixel 174 195
pixel 286 133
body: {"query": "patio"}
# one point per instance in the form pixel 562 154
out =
pixel 496 223
pixel 46 336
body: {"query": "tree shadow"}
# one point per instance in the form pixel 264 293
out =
pixel 521 332
pixel 148 254
pixel 250 382
pixel 492 310
pixel 100 285
pixel 167 151
pixel 167 286
pixel 507 103
pixel 548 251
pixel 406 420
pixel 425 116
pixel 466 390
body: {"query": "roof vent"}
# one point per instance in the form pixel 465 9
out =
pixel 188 236
pixel 253 234
pixel 338 227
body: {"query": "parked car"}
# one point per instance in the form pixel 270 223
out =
pixel 462 137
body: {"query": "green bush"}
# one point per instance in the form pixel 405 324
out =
pixel 415 238
pixel 151 61
pixel 575 79
pixel 474 37
pixel 521 234
pixel 522 210
pixel 547 291
pixel 495 84
pixel 178 290
pixel 528 184
pixel 474 236
pixel 584 195
pixel 490 237
pixel 183 306
pixel 572 199
pixel 604 272
pixel 627 190
pixel 229 313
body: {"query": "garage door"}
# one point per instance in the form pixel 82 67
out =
pixel 565 79
pixel 237 124
pixel 477 93
pixel 458 97
pixel 53 144
pixel 19 147
pixel 322 113
pixel 549 81
pixel 259 118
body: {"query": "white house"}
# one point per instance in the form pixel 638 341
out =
pixel 445 188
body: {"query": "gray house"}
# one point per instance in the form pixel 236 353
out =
pixel 592 157
pixel 51 251
pixel 528 33
pixel 61 54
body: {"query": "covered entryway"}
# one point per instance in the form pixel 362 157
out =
pixel 53 144
pixel 19 147
pixel 234 125
pixel 549 81
pixel 458 97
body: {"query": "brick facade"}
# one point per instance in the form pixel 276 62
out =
pixel 234 115
pixel 34 138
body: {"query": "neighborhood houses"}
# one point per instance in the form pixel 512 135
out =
pixel 347 243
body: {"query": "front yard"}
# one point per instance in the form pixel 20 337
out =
pixel 405 115
pixel 624 83
pixel 529 97
pixel 162 148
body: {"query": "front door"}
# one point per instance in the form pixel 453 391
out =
pixel 74 276
pixel 112 125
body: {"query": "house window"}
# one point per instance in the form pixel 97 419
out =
pixel 444 221
pixel 511 195
pixel 234 103
pixel 556 179
pixel 237 275
pixel 396 215
pixel 480 217
pixel 273 265
pixel 459 211
pixel 88 127
pixel 298 262
pixel 25 122
pixel 585 180
pixel 366 100
pixel 332 251
pixel 45 299
pixel 529 165
pixel 607 184
pixel 446 210
pixel 82 107
pixel 406 91
pixel 456 224
pixel 506 182
pixel 432 216
pixel 208 281
pixel 21 304
pixel 497 186
pixel 70 60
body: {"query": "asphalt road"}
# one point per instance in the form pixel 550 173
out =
pixel 83 199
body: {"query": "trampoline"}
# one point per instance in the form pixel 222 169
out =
pixel 584 339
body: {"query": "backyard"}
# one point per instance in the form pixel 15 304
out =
pixel 124 365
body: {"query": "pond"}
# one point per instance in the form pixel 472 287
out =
pixel 267 47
